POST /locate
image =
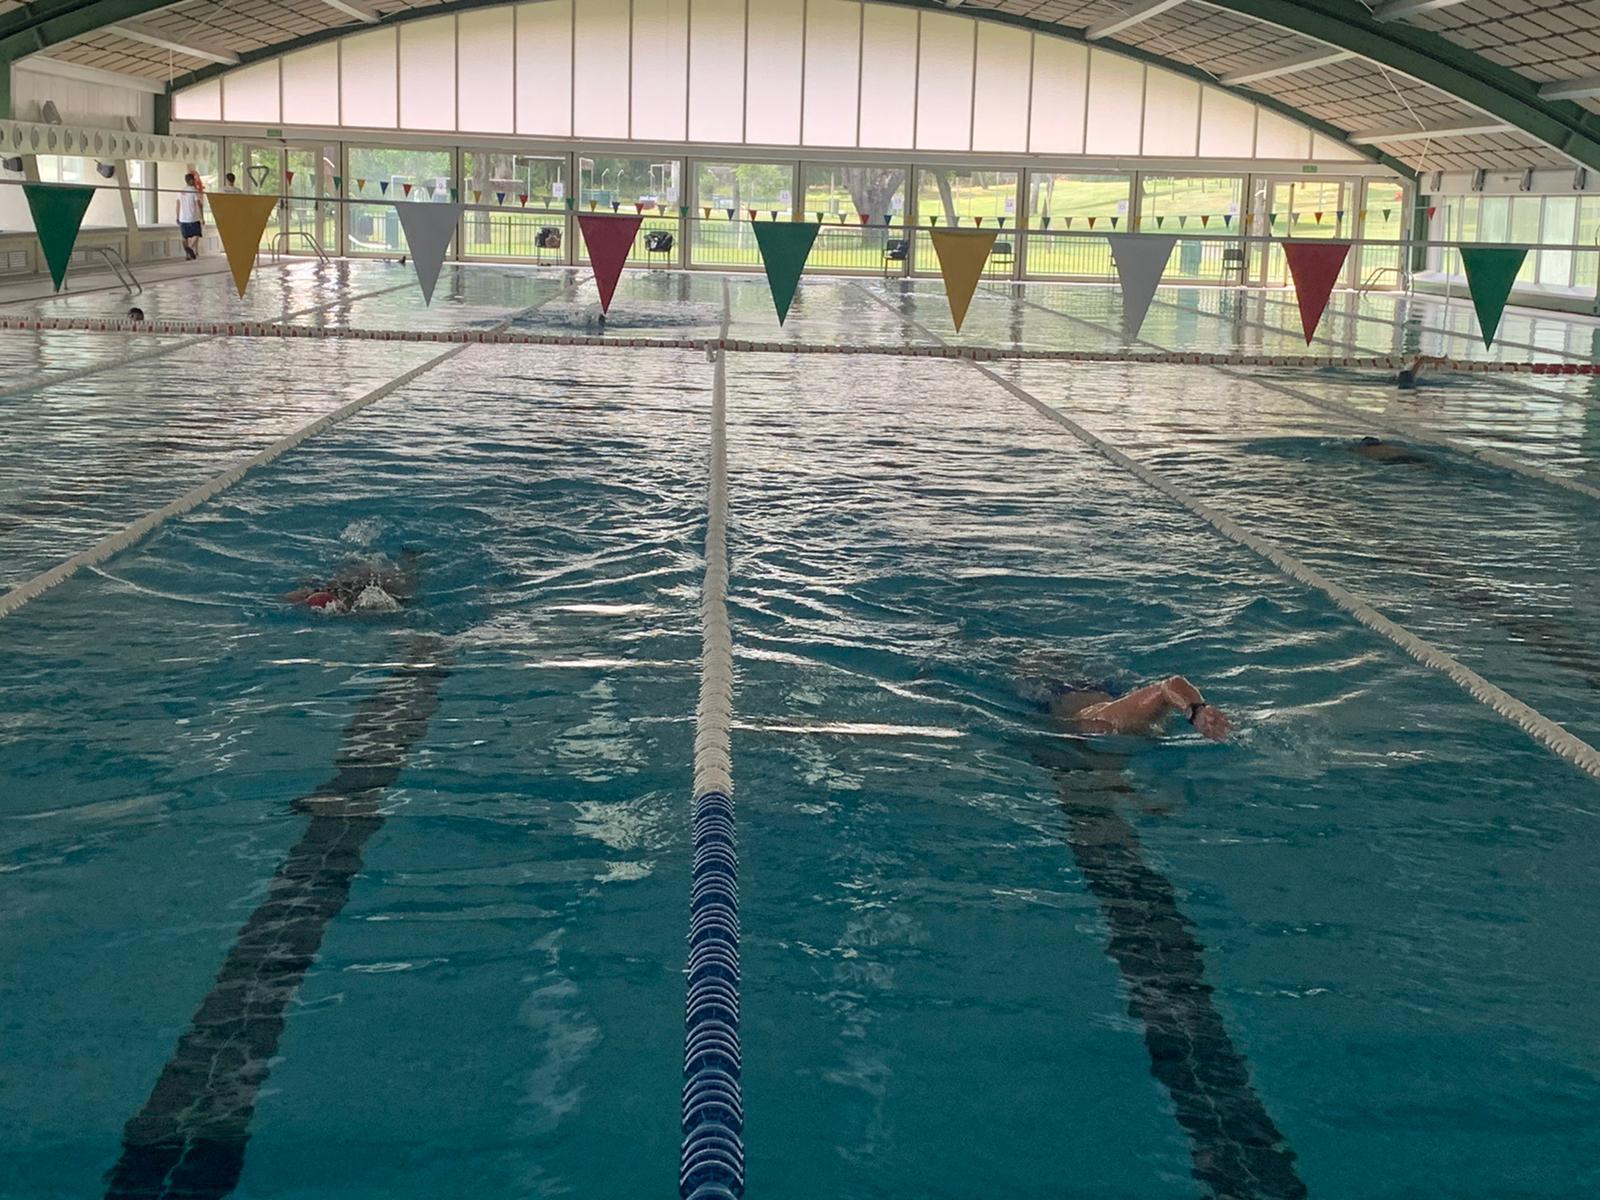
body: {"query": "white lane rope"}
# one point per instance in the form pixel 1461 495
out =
pixel 1532 722
pixel 1369 420
pixel 130 534
pixel 499 337
pixel 45 381
pixel 714 717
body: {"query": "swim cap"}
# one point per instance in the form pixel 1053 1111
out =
pixel 320 599
pixel 374 599
pixel 1371 441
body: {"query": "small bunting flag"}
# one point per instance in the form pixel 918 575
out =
pixel 522 199
pixel 774 214
pixel 933 219
pixel 1001 221
pixel 1272 219
pixel 593 204
pixel 338 183
pixel 616 206
pixel 1294 218
pixel 1114 222
pixel 406 188
pixel 978 221
pixel 288 176
pixel 476 195
pixel 1318 216
pixel 499 197
pixel 705 211
pixel 361 185
pixel 1205 221
pixel 1045 220
pixel 863 217
pixel 383 186
pixel 1386 213
pixel 819 217
pixel 1432 208
pixel 1183 222
pixel 729 211
pixel 1338 215
pixel 455 195
pixel 1160 221
pixel 1070 221
pixel 1227 220
pixel 1092 220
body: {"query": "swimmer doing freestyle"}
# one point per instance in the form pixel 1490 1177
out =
pixel 1095 709
pixel 373 586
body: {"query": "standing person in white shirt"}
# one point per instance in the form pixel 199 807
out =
pixel 191 215
pixel 230 184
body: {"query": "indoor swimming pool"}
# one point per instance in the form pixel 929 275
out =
pixel 306 906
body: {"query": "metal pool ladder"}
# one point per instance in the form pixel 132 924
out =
pixel 119 267
pixel 280 244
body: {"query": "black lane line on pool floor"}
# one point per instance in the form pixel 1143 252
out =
pixel 189 1139
pixel 1234 1145
pixel 1236 1149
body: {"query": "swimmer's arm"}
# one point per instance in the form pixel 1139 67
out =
pixel 1147 705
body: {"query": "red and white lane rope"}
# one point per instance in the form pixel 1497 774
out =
pixel 705 345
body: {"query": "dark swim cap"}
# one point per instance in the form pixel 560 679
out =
pixel 1371 441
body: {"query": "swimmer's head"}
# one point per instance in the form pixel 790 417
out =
pixel 1370 441
pixel 136 314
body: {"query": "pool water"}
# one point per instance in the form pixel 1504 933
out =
pixel 306 907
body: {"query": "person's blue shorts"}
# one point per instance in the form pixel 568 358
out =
pixel 189 229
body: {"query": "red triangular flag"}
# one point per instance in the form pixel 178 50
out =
pixel 1432 208
pixel 608 240
pixel 522 199
pixel 864 217
pixel 1205 220
pixel 406 187
pixel 1092 220
pixel 638 206
pixel 1315 267
pixel 288 176
pixel 1318 216
pixel 752 216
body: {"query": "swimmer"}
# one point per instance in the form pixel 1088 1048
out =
pixel 375 586
pixel 136 315
pixel 1096 709
pixel 1378 450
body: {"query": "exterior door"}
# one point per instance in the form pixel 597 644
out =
pixel 301 176
pixel 1302 207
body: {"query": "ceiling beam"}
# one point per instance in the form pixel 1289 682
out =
pixel 1398 10
pixel 43 64
pixel 29 28
pixel 1572 89
pixel 1433 132
pixel 350 8
pixel 165 41
pixel 1139 13
pixel 1498 92
pixel 1287 66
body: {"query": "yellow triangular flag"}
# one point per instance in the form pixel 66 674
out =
pixel 240 223
pixel 962 255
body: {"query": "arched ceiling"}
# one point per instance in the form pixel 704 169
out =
pixel 1435 84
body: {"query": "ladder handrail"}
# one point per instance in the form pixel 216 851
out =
pixel 119 267
pixel 280 242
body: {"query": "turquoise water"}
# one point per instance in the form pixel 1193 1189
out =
pixel 981 956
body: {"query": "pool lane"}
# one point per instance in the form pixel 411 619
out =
pixel 526 888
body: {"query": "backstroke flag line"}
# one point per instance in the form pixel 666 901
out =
pixel 57 216
pixel 1315 267
pixel 240 221
pixel 1491 270
pixel 785 246
pixel 608 240
pixel 1141 260
pixel 962 255
pixel 428 229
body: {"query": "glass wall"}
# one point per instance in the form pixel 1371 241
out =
pixel 516 205
pixel 375 174
pixel 1203 210
pixel 838 196
pixel 1586 271
pixel 649 186
pixel 1384 216
pixel 1060 207
pixel 105 210
pixel 765 190
pixel 961 198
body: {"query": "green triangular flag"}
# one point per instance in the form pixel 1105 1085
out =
pixel 785 246
pixel 338 183
pixel 58 210
pixel 1491 270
